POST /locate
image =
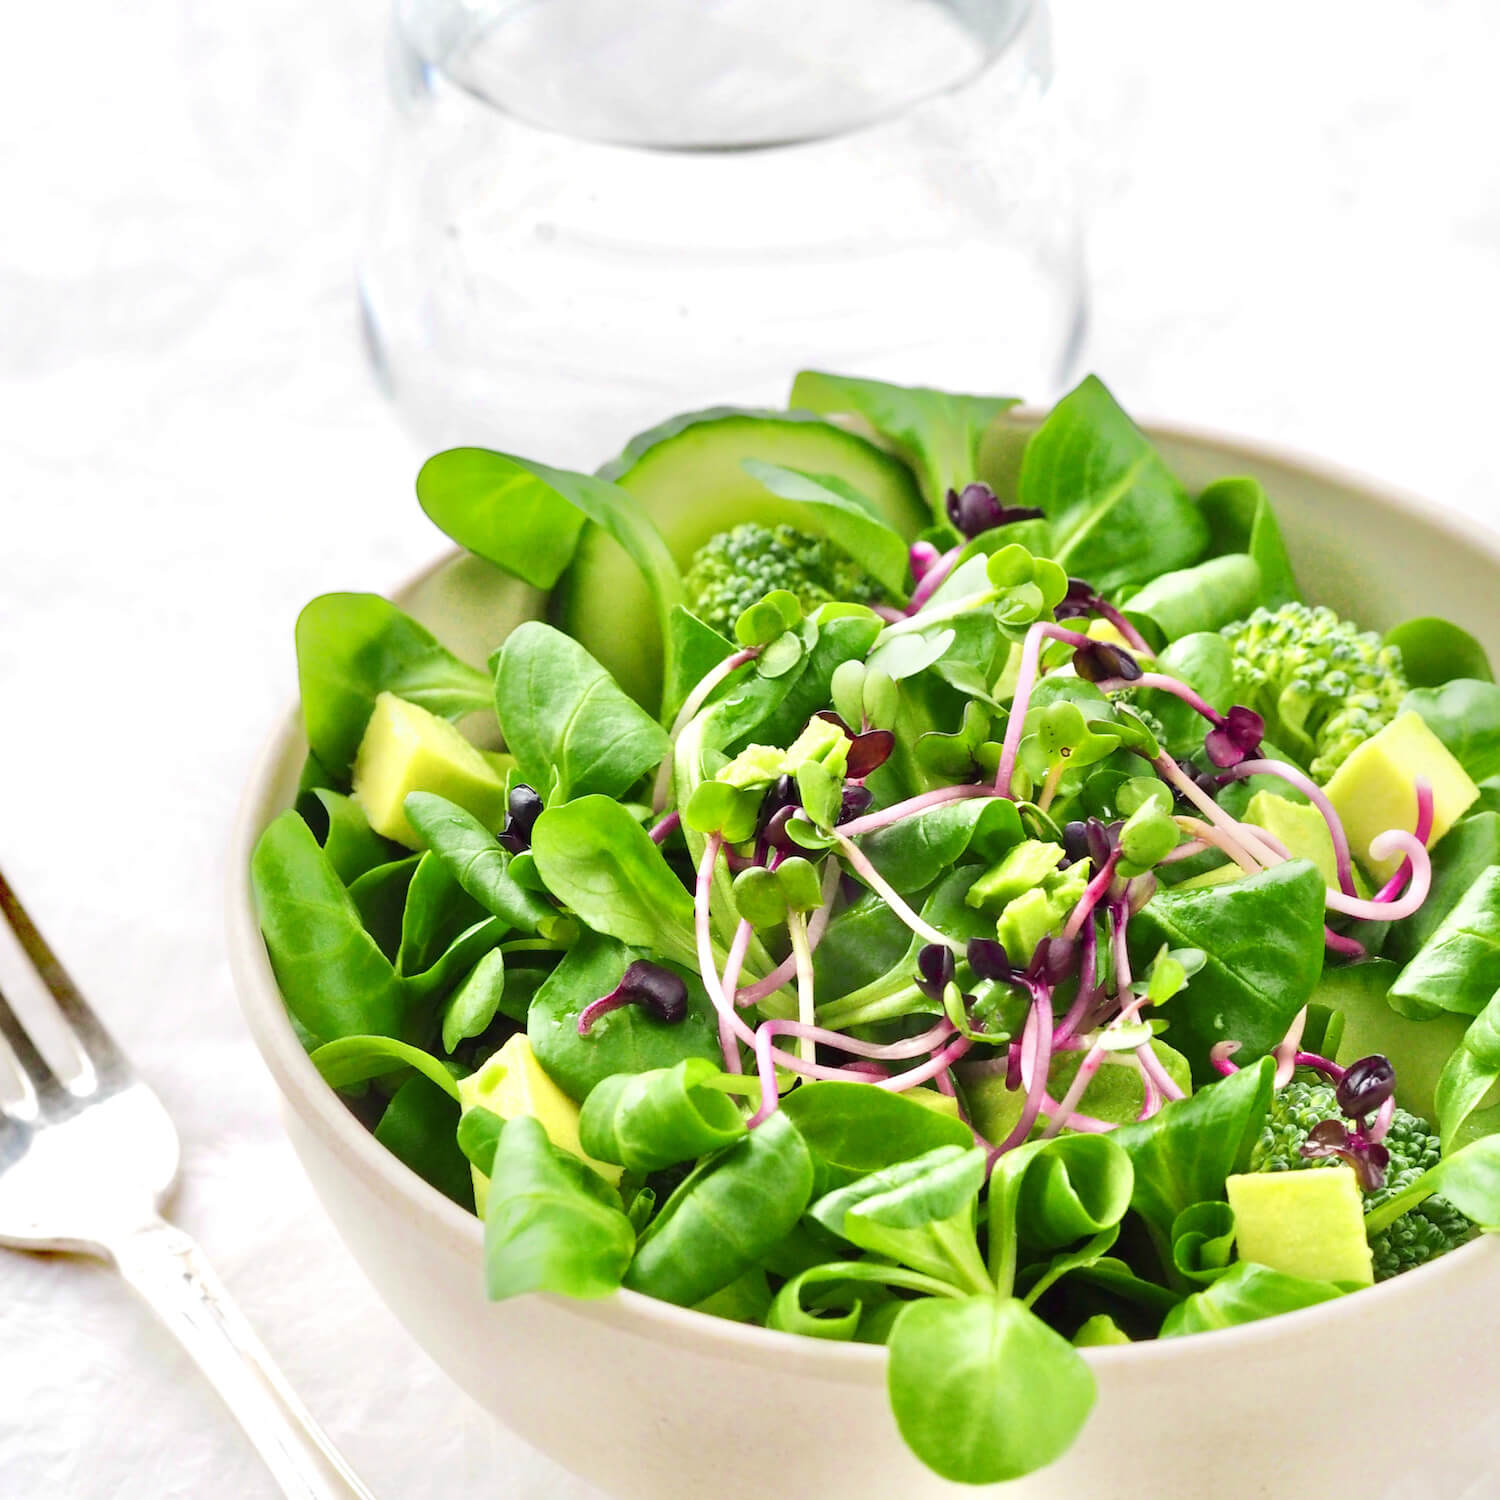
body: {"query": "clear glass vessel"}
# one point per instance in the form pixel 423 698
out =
pixel 594 213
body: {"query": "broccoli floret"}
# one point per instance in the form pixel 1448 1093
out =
pixel 1431 1229
pixel 1322 685
pixel 738 568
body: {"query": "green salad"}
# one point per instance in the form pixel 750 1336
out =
pixel 925 878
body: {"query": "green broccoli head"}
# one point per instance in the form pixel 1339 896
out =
pixel 1431 1229
pixel 1322 685
pixel 738 568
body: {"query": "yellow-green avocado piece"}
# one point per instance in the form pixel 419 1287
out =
pixel 1309 1223
pixel 407 749
pixel 1375 789
pixel 1301 827
pixel 514 1083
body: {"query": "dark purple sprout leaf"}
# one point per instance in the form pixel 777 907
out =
pixel 857 801
pixel 869 752
pixel 522 811
pixel 656 990
pixel 935 968
pixel 1365 1086
pixel 989 960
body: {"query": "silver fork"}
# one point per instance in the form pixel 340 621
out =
pixel 85 1167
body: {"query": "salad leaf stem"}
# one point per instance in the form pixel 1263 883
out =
pixel 933 579
pixel 786 970
pixel 796 926
pixel 1035 1058
pixel 885 816
pixel 1382 846
pixel 663 830
pixel 867 872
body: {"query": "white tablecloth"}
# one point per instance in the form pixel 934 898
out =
pixel 1296 234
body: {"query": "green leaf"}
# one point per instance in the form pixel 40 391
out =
pixel 1458 967
pixel 1471 1072
pixel 1047 1194
pixel 982 1390
pixel 1245 1293
pixel 351 648
pixel 840 1283
pixel 1190 600
pixel 418 1126
pixel 479 1137
pixel 936 432
pixel 334 978
pixel 566 721
pixel 1434 651
pixel 852 1129
pixel 352 846
pixel 918 1212
pixel 437 910
pixel 357 1059
pixel 476 1002
pixel 1203 1241
pixel 1465 715
pixel 625 1040
pixel 601 863
pixel 480 866
pixel 845 517
pixel 725 1216
pixel 916 850
pixel 651 1120
pixel 552 1224
pixel 1469 1179
pixel 1186 1151
pixel 1240 519
pixel 379 895
pixel 1118 515
pixel 1263 937
pixel 1205 662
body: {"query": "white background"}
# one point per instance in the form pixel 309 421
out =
pixel 1295 234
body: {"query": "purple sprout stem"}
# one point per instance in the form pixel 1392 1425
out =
pixel 1382 846
pixel 1423 832
pixel 921 556
pixel 1345 947
pixel 934 1067
pixel 1151 1066
pixel 1031 653
pixel 867 872
pixel 1093 893
pixel 1319 799
pixel 1219 1055
pixel 666 828
pixel 1382 1123
pixel 885 816
pixel 1285 1051
pixel 1151 1094
pixel 1115 618
pixel 889 613
pixel 1165 684
pixel 693 702
pixel 1035 1060
pixel 1088 972
pixel 1119 917
pixel 1323 1064
pixel 935 576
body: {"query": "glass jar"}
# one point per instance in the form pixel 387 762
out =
pixel 593 214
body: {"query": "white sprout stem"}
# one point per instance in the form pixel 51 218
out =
pixel 685 715
pixel 887 893
pixel 1172 774
pixel 898 810
pixel 1070 1101
pixel 1319 799
pixel 1380 1126
pixel 786 970
pixel 1382 847
pixel 927 618
pixel 1151 1066
pixel 730 1025
pixel 1285 1051
pixel 1205 834
pixel 734 963
pixel 1187 850
pixel 796 926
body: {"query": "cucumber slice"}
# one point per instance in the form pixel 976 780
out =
pixel 687 474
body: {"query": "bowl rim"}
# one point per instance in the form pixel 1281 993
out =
pixel 319 1108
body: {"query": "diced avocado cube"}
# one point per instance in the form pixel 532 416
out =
pixel 1099 1332
pixel 407 749
pixel 1375 789
pixel 1309 1224
pixel 1298 825
pixel 514 1083
pixel 1024 867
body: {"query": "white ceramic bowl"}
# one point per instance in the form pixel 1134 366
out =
pixel 1387 1395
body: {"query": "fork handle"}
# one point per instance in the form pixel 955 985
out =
pixel 169 1270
